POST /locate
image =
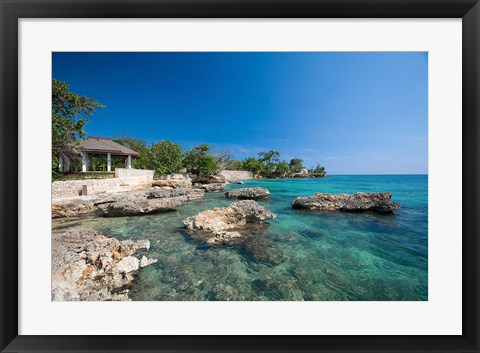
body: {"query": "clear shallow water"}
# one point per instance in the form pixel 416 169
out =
pixel 300 256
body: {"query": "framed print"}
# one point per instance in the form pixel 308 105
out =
pixel 239 176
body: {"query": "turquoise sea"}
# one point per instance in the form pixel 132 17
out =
pixel 300 256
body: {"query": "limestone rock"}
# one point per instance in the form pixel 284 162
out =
pixel 214 187
pixel 173 183
pixel 71 208
pixel 224 224
pixel 255 193
pixel 209 179
pixel 128 264
pixel 378 202
pixel 145 262
pixel 191 194
pixel 138 207
pixel 88 266
pixel 126 203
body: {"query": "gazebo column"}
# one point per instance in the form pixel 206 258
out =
pixel 60 163
pixel 129 162
pixel 85 161
pixel 109 162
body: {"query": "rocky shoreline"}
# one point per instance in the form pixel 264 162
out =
pixel 127 203
pixel 292 175
pixel 89 266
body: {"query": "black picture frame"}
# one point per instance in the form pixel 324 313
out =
pixel 12 10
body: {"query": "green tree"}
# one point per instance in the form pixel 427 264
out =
pixel 70 113
pixel 56 174
pixel 282 168
pixel 319 169
pixel 199 161
pixel 269 160
pixel 296 164
pixel 235 164
pixel 165 157
pixel 133 143
pixel 97 163
pixel 138 145
pixel 253 165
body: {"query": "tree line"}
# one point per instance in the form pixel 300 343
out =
pixel 70 114
pixel 166 157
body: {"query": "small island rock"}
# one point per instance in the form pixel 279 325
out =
pixel 142 206
pixel 214 187
pixel 378 202
pixel 255 193
pixel 191 194
pixel 209 179
pixel 223 224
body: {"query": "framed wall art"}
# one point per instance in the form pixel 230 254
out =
pixel 239 176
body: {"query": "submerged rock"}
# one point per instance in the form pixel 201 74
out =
pixel 215 187
pixel 224 292
pixel 255 193
pixel 264 250
pixel 359 202
pixel 222 225
pixel 88 266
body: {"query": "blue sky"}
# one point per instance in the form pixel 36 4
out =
pixel 354 113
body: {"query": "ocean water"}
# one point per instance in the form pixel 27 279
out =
pixel 302 255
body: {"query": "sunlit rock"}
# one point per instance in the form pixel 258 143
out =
pixel 255 193
pixel 378 202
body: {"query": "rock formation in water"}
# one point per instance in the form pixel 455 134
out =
pixel 214 187
pixel 73 207
pixel 191 194
pixel 140 206
pixel 255 193
pixel 222 225
pixel 209 179
pixel 88 266
pixel 378 202
pixel 127 203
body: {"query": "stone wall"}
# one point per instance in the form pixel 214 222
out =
pixel 236 175
pixel 69 188
pixel 137 173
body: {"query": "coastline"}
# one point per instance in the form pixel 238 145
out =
pixel 281 240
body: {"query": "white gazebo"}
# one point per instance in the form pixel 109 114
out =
pixel 101 146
